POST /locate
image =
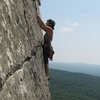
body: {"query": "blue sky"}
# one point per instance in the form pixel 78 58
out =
pixel 77 32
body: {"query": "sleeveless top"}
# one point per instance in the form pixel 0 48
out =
pixel 47 40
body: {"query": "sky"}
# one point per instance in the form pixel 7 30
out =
pixel 77 31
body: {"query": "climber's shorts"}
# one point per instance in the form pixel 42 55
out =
pixel 45 55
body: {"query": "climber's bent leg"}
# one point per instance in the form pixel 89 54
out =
pixel 46 62
pixel 47 71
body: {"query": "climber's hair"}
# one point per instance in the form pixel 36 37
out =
pixel 51 23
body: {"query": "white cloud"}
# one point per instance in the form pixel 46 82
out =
pixel 84 15
pixel 66 29
pixel 75 24
pixel 69 27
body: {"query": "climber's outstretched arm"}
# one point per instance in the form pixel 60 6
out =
pixel 44 26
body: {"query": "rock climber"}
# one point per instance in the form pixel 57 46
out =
pixel 48 37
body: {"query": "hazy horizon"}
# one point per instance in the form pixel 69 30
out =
pixel 91 69
pixel 74 63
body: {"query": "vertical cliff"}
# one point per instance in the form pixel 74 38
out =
pixel 22 74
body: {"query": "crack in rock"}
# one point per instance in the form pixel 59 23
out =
pixel 17 67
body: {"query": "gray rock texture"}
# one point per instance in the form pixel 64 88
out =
pixel 22 75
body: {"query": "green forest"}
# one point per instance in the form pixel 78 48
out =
pixel 74 86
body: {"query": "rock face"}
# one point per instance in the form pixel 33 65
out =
pixel 22 75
